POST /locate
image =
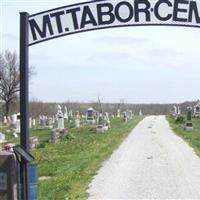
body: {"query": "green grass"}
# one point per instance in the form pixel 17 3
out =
pixel 191 137
pixel 70 165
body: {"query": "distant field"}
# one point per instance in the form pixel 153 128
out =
pixel 191 137
pixel 66 168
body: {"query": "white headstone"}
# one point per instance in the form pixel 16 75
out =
pixel 130 114
pixel 34 122
pixel 66 113
pixel 9 121
pixel 14 118
pixel 197 110
pixel 5 121
pixel 60 119
pixel 175 111
pixel 42 119
pixel 53 120
pixel 179 111
pixel 77 119
pixel 2 138
pixel 15 135
pixel 17 126
pixel 118 113
pixel 107 119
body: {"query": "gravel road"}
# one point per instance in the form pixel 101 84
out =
pixel 152 163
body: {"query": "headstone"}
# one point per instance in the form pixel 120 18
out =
pixel 100 126
pixel 30 122
pixel 125 116
pixel 42 121
pixel 53 120
pixel 34 122
pixel 197 110
pixel 2 138
pixel 66 113
pixel 47 121
pixel 77 119
pixel 107 119
pixel 90 119
pixel 174 111
pixel 188 124
pixel 15 135
pixel 17 127
pixel 13 119
pixel 60 119
pixel 33 142
pixel 130 113
pixel 9 121
pixel 83 116
pixel 70 116
pixel 5 121
pixel 118 113
pixel 55 135
pixel 178 111
pixel 140 113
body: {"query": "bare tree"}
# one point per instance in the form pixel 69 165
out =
pixel 9 78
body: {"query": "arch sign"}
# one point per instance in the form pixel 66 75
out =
pixel 95 15
pixel 89 16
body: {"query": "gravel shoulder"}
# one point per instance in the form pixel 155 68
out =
pixel 152 163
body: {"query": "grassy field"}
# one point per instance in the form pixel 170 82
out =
pixel 191 137
pixel 66 169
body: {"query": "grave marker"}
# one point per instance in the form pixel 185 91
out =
pixel 33 142
pixel 2 138
pixel 60 119
pixel 118 113
pixel 100 126
pixel 174 111
pixel 77 119
pixel 5 121
pixel 90 119
pixel 30 122
pixel 188 123
pixel 17 127
pixel 125 116
pixel 197 110
pixel 34 122
pixel 66 113
pixel 13 119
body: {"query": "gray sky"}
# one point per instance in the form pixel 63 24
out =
pixel 137 64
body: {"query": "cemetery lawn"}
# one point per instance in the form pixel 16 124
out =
pixel 67 168
pixel 191 137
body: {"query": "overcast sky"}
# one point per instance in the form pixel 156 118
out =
pixel 137 64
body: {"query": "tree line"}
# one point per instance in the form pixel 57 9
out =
pixel 9 96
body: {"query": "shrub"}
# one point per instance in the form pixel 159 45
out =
pixel 68 136
pixel 180 120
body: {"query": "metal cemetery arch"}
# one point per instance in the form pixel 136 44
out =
pixel 89 16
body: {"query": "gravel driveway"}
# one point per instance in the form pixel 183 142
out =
pixel 152 163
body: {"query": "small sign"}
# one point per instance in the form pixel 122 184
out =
pixel 3 181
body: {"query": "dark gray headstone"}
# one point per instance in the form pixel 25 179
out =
pixel 189 114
